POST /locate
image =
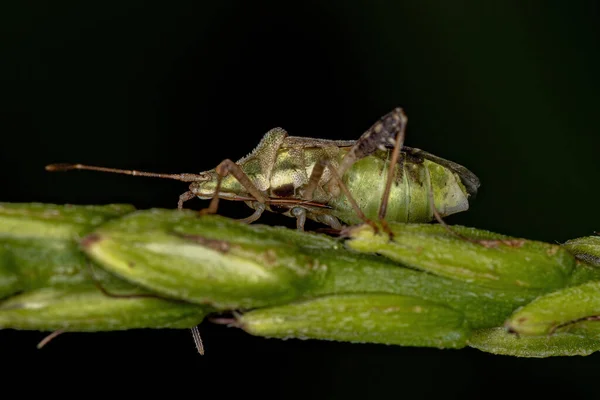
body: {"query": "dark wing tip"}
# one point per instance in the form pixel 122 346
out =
pixel 468 178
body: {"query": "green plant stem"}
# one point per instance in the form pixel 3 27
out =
pixel 424 287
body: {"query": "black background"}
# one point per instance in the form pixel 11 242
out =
pixel 509 90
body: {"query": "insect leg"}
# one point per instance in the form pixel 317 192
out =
pixel 389 130
pixel 183 198
pixel 313 181
pixel 331 221
pixel 225 168
pixel 260 208
pixel 336 176
pixel 399 142
pixel 379 136
pixel 440 220
pixel 300 214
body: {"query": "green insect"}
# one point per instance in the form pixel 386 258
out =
pixel 328 181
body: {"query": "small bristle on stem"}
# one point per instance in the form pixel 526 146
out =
pixel 198 340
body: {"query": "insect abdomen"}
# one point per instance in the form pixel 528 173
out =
pixel 409 199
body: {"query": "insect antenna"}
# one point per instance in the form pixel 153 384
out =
pixel 178 177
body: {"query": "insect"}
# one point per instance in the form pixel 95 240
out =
pixel 329 181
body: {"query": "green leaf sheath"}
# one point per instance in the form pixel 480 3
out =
pixel 500 341
pixel 373 318
pixel 586 249
pixel 39 244
pixel 425 286
pixel 86 309
pixel 205 260
pixel 229 265
pixel 499 262
pixel 41 260
pixel 560 310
